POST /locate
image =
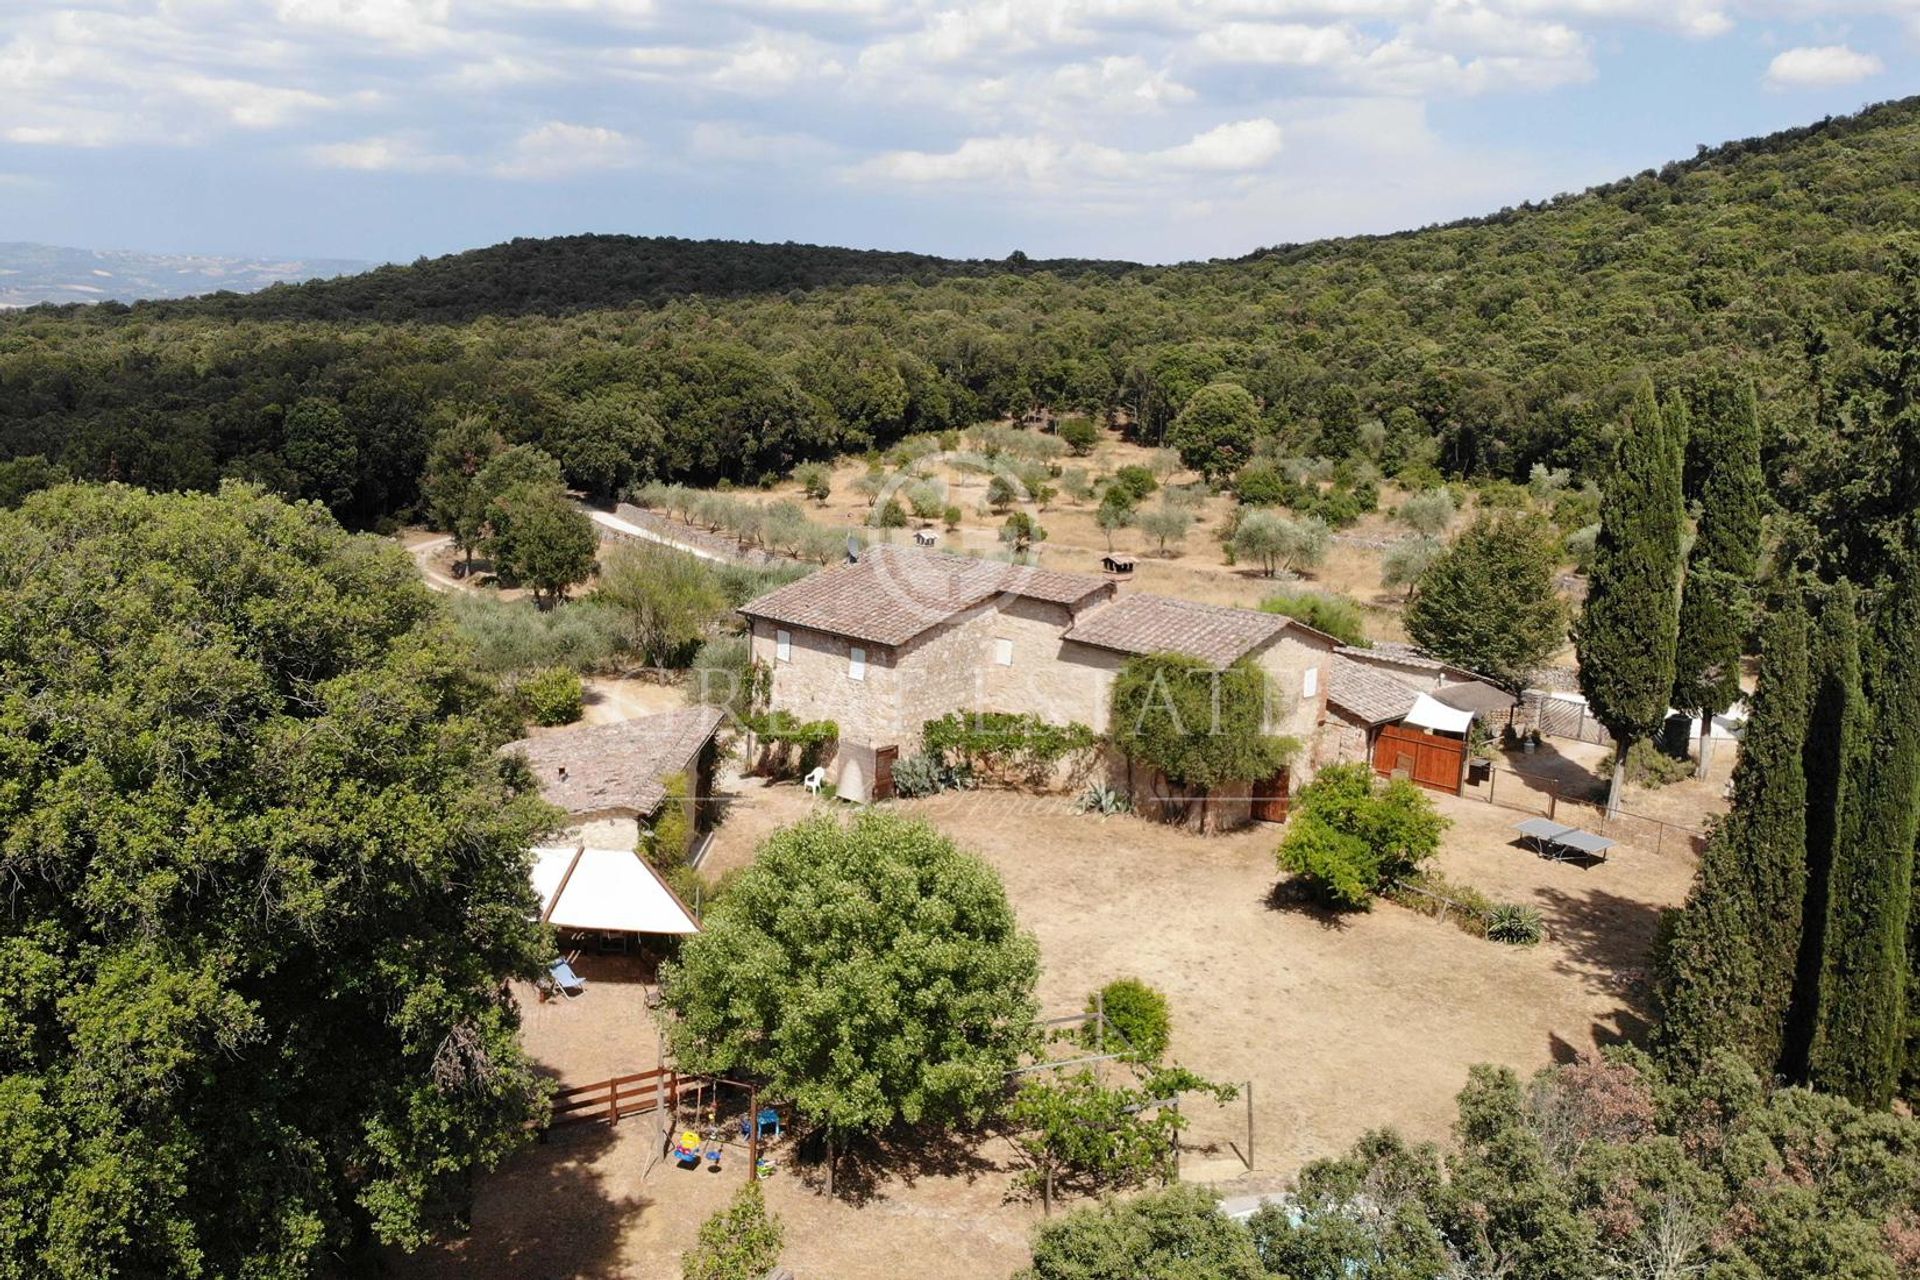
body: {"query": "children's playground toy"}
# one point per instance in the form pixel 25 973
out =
pixel 687 1150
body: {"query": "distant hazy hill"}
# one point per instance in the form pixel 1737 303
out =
pixel 568 274
pixel 35 273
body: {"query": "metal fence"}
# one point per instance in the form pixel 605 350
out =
pixel 1547 796
pixel 1559 718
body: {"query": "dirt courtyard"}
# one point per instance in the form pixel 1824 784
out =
pixel 1341 1024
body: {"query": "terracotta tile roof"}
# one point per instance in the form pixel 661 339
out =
pixel 895 593
pixel 1213 633
pixel 1405 655
pixel 617 767
pixel 1368 693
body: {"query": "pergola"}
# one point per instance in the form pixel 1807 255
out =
pixel 606 891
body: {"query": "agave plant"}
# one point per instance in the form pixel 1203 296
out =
pixel 1105 800
pixel 1516 925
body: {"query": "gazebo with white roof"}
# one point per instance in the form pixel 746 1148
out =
pixel 606 891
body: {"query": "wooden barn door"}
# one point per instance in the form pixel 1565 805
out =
pixel 1271 798
pixel 1432 761
pixel 883 759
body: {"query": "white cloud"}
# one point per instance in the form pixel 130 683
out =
pixel 1063 165
pixel 248 105
pixel 561 150
pixel 388 153
pixel 391 25
pixel 771 62
pixel 1459 51
pixel 1820 66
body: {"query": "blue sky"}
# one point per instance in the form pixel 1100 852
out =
pixel 1158 130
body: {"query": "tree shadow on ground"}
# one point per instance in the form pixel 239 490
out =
pixel 1295 897
pixel 864 1169
pixel 1547 771
pixel 546 1211
pixel 1606 940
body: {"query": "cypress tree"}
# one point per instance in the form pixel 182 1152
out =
pixel 1835 718
pixel 1860 1041
pixel 1625 636
pixel 1716 604
pixel 1728 976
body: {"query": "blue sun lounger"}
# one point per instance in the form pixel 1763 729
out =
pixel 570 984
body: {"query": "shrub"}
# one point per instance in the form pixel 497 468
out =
pixel 1349 837
pixel 1021 748
pixel 1516 925
pixel 890 515
pixel 1429 513
pixel 1336 615
pixel 668 840
pixel 792 746
pixel 1104 799
pixel 1137 1012
pixel 551 697
pixel 1001 492
pixel 1175 1234
pixel 815 480
pixel 1200 727
pixel 1649 766
pixel 1431 894
pixel 513 635
pixel 1262 484
pixel 929 774
pixel 1133 480
pixel 951 518
pixel 741 1242
pixel 721 674
pixel 1021 531
pixel 1080 435
pixel 1075 484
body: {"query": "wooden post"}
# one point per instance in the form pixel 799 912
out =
pixel 829 1164
pixel 1046 1190
pixel 753 1134
pixel 1249 1126
pixel 1176 1137
pixel 1493 780
pixel 1553 801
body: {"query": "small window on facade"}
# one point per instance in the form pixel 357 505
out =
pixel 783 646
pixel 1310 683
pixel 856 664
pixel 1003 653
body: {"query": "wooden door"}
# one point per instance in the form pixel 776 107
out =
pixel 1271 798
pixel 883 759
pixel 1435 762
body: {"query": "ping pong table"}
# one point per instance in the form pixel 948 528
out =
pixel 1562 843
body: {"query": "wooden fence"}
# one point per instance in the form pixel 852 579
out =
pixel 610 1100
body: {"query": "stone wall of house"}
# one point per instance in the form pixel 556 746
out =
pixel 814 682
pixel 1047 675
pixel 1287 660
pixel 1342 740
pixel 944 670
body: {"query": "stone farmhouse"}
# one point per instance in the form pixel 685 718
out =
pixel 902 636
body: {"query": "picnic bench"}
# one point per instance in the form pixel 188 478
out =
pixel 1562 843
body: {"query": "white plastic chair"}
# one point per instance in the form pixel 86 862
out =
pixel 815 780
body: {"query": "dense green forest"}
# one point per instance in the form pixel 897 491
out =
pixel 1481 348
pixel 563 275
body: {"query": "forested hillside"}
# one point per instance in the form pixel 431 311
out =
pixel 1481 348
pixel 564 275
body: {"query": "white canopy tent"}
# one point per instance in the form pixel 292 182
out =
pixel 1431 713
pixel 611 890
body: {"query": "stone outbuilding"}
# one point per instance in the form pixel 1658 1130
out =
pixel 612 779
